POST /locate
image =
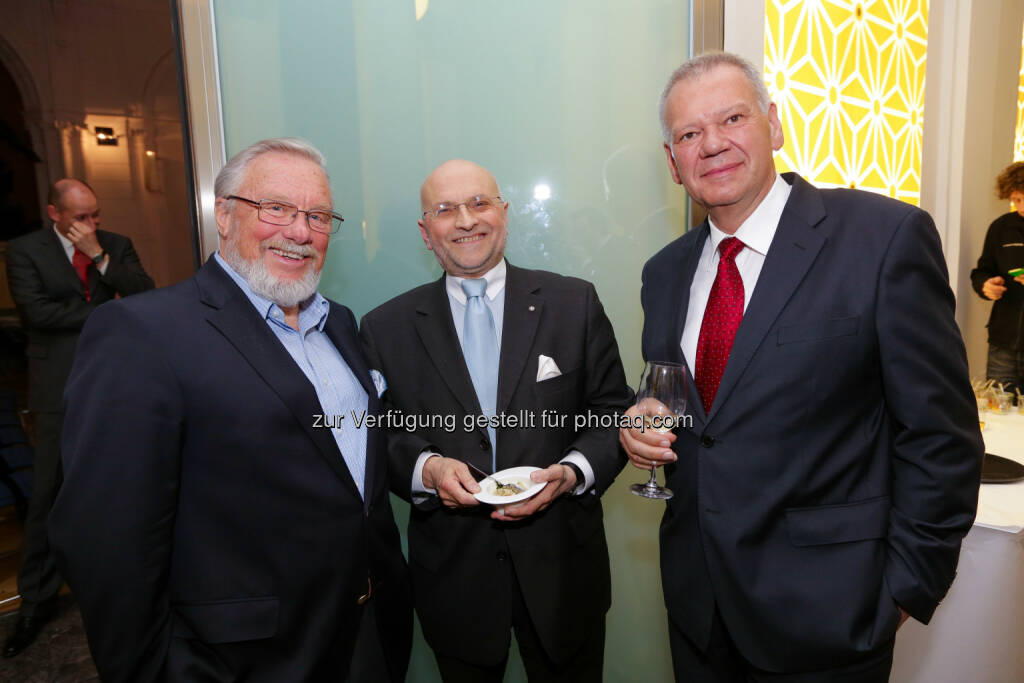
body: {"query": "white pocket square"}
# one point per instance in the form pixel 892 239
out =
pixel 379 382
pixel 546 368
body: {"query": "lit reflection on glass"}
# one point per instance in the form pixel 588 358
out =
pixel 541 192
pixel 421 8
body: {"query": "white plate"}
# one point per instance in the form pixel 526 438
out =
pixel 517 475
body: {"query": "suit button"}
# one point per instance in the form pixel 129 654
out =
pixel 501 556
pixel 707 441
pixel 485 445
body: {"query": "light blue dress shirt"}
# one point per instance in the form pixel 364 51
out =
pixel 337 388
pixel 494 297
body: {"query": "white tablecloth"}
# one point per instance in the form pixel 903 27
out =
pixel 977 633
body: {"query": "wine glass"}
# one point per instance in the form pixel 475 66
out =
pixel 661 399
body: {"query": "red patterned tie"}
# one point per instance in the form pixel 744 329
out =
pixel 81 262
pixel 721 320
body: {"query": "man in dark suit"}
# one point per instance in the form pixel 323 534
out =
pixel 210 524
pixel 832 468
pixel 539 567
pixel 57 277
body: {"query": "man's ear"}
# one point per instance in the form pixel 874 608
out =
pixel 222 212
pixel 778 139
pixel 670 157
pixel 425 235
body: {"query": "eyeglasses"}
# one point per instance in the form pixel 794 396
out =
pixel 449 210
pixel 282 213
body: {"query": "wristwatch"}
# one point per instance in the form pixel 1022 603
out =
pixel 98 258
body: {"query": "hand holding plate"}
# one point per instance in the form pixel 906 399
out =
pixel 559 478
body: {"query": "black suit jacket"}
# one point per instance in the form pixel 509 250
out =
pixel 207 529
pixel 560 555
pixel 838 469
pixel 51 300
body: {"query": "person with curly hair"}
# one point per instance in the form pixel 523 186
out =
pixel 995 279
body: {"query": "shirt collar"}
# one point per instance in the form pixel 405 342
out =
pixel 495 283
pixel 313 313
pixel 64 241
pixel 758 230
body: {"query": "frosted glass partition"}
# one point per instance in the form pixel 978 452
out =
pixel 556 97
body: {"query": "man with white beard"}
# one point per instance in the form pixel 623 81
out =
pixel 208 526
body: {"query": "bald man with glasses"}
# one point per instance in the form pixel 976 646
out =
pixel 493 340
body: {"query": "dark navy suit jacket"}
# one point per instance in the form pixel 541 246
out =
pixel 838 469
pixel 208 530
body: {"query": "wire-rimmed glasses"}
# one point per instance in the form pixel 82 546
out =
pixel 283 213
pixel 449 210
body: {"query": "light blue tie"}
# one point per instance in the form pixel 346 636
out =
pixel 480 348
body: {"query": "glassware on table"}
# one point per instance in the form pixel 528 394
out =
pixel 661 399
pixel 982 412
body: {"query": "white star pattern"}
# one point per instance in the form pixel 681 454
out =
pixel 847 77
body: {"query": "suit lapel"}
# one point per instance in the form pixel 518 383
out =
pixel 686 273
pixel 670 297
pixel 342 334
pixel 523 309
pixel 794 248
pixel 234 316
pixel 436 330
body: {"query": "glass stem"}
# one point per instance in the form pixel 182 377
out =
pixel 653 483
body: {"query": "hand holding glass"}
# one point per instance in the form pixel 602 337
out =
pixel 661 400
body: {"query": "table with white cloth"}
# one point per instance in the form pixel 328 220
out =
pixel 977 633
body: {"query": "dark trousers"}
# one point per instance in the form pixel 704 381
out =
pixel 1006 366
pixel 369 665
pixel 723 663
pixel 586 665
pixel 38 580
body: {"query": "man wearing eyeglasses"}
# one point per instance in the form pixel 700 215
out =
pixel 533 354
pixel 209 525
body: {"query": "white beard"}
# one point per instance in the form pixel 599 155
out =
pixel 285 294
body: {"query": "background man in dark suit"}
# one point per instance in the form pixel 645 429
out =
pixel 541 566
pixel 832 468
pixel 211 527
pixel 57 277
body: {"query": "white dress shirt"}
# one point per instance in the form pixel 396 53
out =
pixel 756 233
pixel 69 249
pixel 495 301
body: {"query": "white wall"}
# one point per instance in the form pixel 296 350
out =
pixel 992 43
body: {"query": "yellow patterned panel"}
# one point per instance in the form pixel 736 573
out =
pixel 1018 140
pixel 848 80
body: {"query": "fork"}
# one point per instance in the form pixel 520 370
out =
pixel 515 487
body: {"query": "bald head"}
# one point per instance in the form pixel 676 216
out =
pixel 454 175
pixel 71 200
pixel 62 186
pixel 470 240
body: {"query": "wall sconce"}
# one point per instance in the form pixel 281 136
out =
pixel 150 172
pixel 106 136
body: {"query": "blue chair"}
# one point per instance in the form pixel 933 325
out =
pixel 15 456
